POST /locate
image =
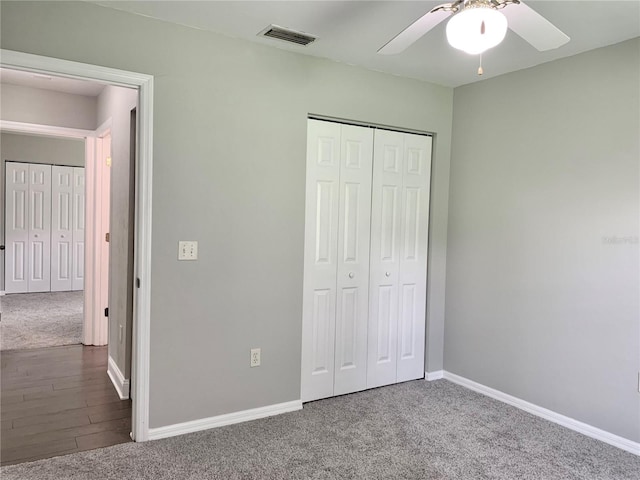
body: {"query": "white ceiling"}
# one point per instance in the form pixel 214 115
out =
pixel 47 82
pixel 352 31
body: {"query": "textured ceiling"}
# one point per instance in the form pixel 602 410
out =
pixel 352 31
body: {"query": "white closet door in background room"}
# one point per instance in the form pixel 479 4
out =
pixel 17 228
pixel 61 228
pixel 39 228
pixel 413 257
pixel 320 259
pixel 386 217
pixel 77 272
pixel 354 229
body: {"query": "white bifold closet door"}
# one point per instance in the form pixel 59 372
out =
pixel 398 268
pixel 28 228
pixel 77 264
pixel 365 264
pixel 44 228
pixel 17 228
pixel 336 263
pixel 61 228
pixel 39 228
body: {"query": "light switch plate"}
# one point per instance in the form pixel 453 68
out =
pixel 187 250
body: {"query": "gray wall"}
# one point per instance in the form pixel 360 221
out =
pixel 34 149
pixel 46 107
pixel 542 266
pixel 229 171
pixel 115 104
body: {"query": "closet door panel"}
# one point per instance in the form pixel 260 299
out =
pixel 354 231
pixel 413 257
pixel 39 228
pixel 386 209
pixel 77 264
pixel 17 228
pixel 320 260
pixel 61 228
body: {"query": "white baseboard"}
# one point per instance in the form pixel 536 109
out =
pixel 1 293
pixel 222 420
pixel 431 376
pixel 585 429
pixel 117 378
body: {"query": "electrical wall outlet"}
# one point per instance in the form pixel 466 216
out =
pixel 187 250
pixel 255 357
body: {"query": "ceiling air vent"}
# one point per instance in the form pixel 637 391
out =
pixel 287 35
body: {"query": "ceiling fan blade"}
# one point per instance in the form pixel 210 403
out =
pixel 534 28
pixel 413 32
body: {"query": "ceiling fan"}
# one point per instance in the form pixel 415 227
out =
pixel 477 25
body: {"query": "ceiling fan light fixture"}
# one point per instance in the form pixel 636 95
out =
pixel 476 28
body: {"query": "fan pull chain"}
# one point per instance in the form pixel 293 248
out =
pixel 480 70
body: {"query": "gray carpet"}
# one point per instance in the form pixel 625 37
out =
pixel 415 430
pixel 34 320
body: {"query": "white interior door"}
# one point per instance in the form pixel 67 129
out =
pixel 413 257
pixel 61 228
pixel 39 228
pixel 386 213
pixel 320 259
pixel 16 228
pixel 78 222
pixel 399 224
pixel 354 230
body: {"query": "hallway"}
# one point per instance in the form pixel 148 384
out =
pixel 59 400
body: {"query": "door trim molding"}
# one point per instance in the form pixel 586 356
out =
pixel 92 333
pixel 143 210
pixel 96 324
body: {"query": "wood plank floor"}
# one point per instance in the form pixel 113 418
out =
pixel 58 400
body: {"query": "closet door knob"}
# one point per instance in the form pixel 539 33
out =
pixel 351 274
pixel 35 236
pixel 61 236
pixel 387 274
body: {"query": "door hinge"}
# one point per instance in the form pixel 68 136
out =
pixel 106 312
pixel 106 237
pixel 138 282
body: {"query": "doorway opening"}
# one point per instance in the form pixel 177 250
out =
pixel 126 332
